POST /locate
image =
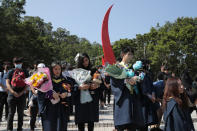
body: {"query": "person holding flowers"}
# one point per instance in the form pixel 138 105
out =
pixel 52 92
pixel 86 97
pixel 121 80
pixel 63 86
pixel 33 102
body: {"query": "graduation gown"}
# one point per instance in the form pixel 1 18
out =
pixel 54 116
pixel 177 119
pixel 149 108
pixel 123 104
pixel 86 112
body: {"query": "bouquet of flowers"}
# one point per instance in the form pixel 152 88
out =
pixel 41 80
pixel 38 79
pixel 116 71
pixel 66 87
pixel 82 76
pixel 97 78
pixel 119 71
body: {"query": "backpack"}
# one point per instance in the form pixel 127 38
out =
pixel 18 78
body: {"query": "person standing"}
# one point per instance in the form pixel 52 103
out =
pixel 55 116
pixel 176 107
pixel 87 112
pixel 33 102
pixel 16 96
pixel 4 90
pixel 123 97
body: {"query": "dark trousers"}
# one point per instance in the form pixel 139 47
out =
pixel 33 115
pixel 3 101
pixel 14 103
pixel 81 126
pixel 107 95
pixel 33 111
pixel 53 119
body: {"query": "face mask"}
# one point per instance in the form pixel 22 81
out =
pixel 19 66
pixel 100 70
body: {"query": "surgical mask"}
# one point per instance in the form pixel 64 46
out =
pixel 100 70
pixel 19 66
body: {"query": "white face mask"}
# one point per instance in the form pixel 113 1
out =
pixel 19 66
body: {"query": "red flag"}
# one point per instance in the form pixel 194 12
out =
pixel 107 49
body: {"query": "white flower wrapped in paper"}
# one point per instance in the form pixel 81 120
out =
pixel 82 76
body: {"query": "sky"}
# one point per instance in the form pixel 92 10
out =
pixel 127 18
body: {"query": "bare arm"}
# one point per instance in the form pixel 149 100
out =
pixel 33 90
pixel 3 86
pixel 9 86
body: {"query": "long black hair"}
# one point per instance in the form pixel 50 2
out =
pixel 80 61
pixel 53 64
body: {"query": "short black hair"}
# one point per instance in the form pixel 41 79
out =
pixel 17 60
pixel 160 76
pixel 125 50
pixel 146 63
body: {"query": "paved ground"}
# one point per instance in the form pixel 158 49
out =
pixel 105 122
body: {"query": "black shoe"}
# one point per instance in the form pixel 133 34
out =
pixel 156 129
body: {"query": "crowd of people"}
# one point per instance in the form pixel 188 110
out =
pixel 139 101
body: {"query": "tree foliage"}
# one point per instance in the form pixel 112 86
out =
pixel 174 43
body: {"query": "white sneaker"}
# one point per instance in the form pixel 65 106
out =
pixel 39 120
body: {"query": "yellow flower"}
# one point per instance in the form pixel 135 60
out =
pixel 37 78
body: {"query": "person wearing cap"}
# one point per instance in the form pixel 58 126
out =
pixel 33 103
pixel 16 96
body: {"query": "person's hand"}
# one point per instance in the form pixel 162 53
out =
pixel 159 100
pixel 63 95
pixel 15 94
pixel 132 81
pixel 65 104
pixel 36 92
pixel 21 93
pixel 153 99
pixel 108 86
pixel 84 86
pixel 55 95
pixel 94 85
pixel 6 90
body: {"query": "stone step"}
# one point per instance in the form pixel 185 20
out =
pixel 108 123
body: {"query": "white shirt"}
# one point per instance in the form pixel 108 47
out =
pixel 3 80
